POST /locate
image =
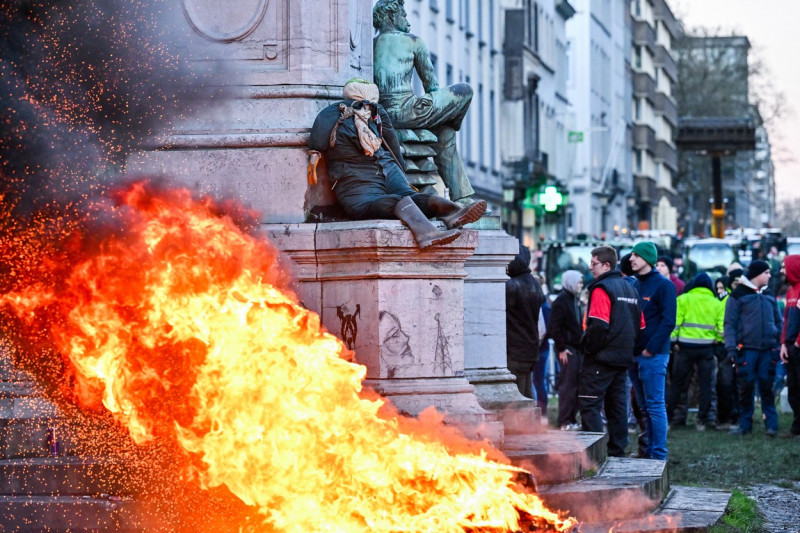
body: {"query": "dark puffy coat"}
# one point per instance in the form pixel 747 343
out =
pixel 565 322
pixel 752 320
pixel 347 158
pixel 524 299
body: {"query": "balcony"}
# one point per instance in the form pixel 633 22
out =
pixel 644 86
pixel 665 60
pixel 644 138
pixel 662 12
pixel 644 35
pixel 666 107
pixel 666 153
pixel 646 190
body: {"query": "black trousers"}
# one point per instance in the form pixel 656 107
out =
pixel 603 386
pixel 793 387
pixel 727 396
pixel 687 357
pixel 568 388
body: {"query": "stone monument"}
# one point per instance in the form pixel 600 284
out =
pixel 367 280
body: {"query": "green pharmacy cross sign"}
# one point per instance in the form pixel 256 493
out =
pixel 551 199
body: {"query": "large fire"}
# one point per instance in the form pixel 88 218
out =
pixel 182 325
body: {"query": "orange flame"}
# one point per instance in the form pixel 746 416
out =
pixel 183 326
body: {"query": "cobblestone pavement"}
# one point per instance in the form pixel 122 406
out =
pixel 780 506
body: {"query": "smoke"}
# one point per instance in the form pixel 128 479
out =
pixel 83 83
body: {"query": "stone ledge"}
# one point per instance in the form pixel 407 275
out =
pixel 623 489
pixel 556 456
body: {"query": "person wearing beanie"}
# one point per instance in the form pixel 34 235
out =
pixel 648 372
pixel 756 268
pixel 753 325
pixel 698 329
pixel 565 330
pixel 664 266
pixel 646 250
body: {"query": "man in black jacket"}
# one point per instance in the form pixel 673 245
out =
pixel 612 324
pixel 752 332
pixel 367 170
pixel 524 299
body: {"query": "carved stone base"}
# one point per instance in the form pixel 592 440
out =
pixel 401 310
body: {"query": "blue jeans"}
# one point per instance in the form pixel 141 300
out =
pixel 756 366
pixel 649 378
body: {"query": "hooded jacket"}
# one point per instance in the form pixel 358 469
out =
pixel 524 299
pixel 752 319
pixel 791 314
pixel 565 318
pixel 701 315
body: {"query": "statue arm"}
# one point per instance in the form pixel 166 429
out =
pixel 390 135
pixel 424 66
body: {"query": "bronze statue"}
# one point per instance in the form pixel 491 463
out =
pixel 397 55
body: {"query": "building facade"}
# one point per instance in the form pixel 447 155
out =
pixel 655 115
pixel 600 91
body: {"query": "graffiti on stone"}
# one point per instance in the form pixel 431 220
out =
pixel 442 362
pixel 348 324
pixel 396 354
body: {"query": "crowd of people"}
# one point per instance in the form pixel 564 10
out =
pixel 637 345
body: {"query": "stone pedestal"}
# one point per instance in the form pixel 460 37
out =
pixel 276 63
pixel 399 309
pixel 485 329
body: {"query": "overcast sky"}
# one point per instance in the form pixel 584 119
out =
pixel 771 27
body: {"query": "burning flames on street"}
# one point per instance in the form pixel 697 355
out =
pixel 182 325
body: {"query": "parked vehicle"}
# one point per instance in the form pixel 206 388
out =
pixel 713 256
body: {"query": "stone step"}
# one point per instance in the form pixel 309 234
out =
pixel 61 513
pixel 557 456
pixel 685 509
pixel 27 407
pixel 29 437
pixel 622 489
pixel 62 476
pixel 18 389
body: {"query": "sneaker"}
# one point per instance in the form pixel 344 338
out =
pixel 771 433
pixel 700 427
pixel 571 427
pixel 738 431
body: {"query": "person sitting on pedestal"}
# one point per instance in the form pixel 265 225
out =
pixel 361 149
pixel 397 55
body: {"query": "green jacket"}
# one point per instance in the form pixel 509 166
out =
pixel 700 318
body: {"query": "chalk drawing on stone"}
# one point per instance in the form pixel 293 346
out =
pixel 349 324
pixel 442 363
pixel 396 353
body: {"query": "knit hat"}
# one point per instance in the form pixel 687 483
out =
pixel 756 268
pixel 667 260
pixel 647 251
pixel 625 265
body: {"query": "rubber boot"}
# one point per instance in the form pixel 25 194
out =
pixel 425 233
pixel 454 215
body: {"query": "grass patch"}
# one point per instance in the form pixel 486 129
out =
pixel 713 458
pixel 741 516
